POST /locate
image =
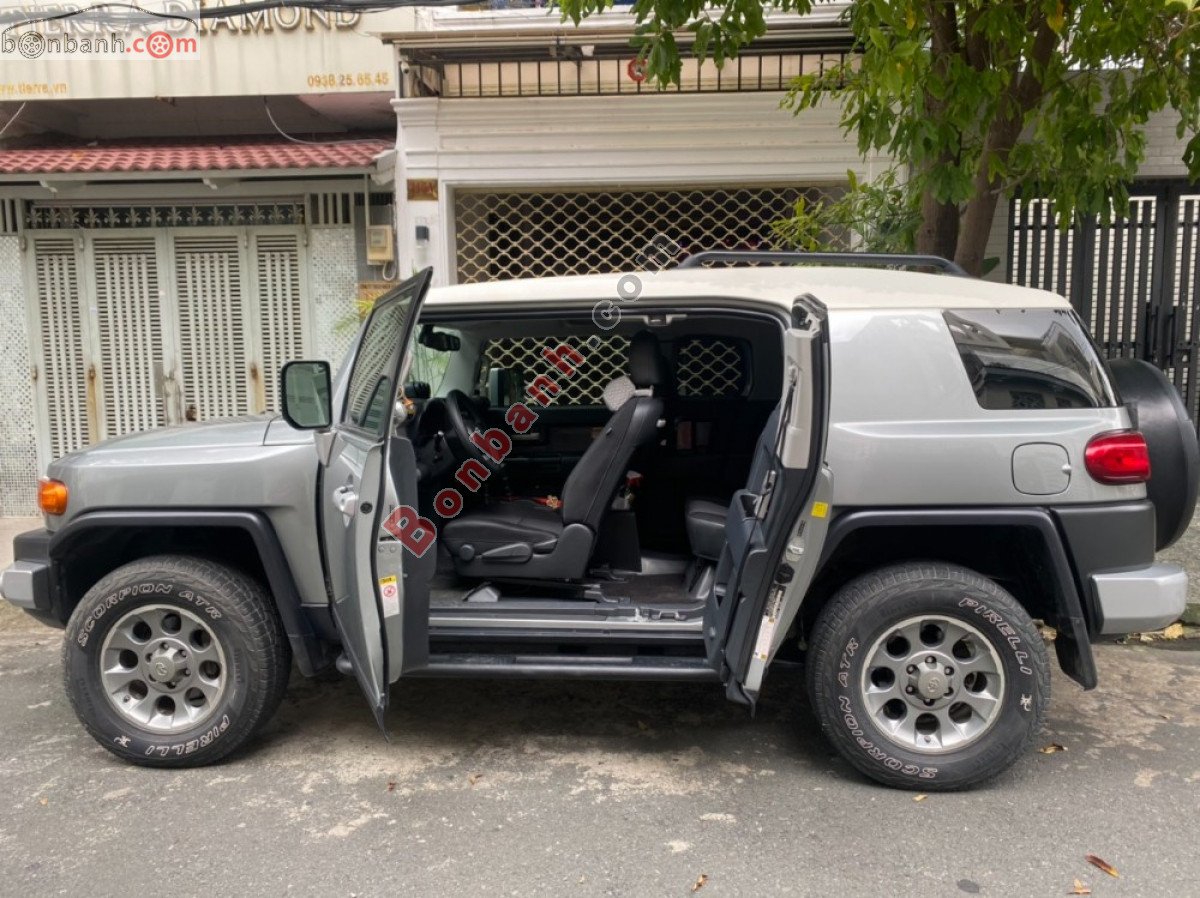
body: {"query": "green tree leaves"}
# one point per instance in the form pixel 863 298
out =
pixel 974 99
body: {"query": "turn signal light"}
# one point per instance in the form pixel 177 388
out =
pixel 52 496
pixel 1118 458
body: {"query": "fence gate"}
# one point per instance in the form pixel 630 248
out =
pixel 139 327
pixel 1135 281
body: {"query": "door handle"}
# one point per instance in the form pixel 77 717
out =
pixel 344 498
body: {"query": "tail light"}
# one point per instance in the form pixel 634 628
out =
pixel 1118 458
pixel 52 496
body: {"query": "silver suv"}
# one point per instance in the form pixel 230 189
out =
pixel 682 475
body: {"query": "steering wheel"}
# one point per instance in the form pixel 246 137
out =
pixel 464 418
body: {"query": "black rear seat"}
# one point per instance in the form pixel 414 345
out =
pixel 705 518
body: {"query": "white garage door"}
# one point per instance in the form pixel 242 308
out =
pixel 139 328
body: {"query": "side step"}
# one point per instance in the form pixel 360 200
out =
pixel 592 667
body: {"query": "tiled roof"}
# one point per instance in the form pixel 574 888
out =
pixel 211 154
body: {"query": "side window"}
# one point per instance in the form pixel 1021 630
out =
pixel 711 367
pixel 370 388
pixel 1029 359
pixel 522 357
pixel 429 365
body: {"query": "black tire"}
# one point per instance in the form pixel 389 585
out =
pixel 240 621
pixel 861 619
pixel 1171 440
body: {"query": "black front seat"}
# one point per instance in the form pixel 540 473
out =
pixel 525 540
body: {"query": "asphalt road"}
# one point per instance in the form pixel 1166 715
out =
pixel 509 788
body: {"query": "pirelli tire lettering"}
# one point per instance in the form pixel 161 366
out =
pixel 927 676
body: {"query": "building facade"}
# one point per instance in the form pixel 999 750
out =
pixel 527 147
pixel 172 231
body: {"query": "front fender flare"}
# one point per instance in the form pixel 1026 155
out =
pixel 311 653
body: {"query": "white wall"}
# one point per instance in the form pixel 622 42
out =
pixel 1164 151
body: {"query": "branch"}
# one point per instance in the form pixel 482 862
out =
pixel 943 25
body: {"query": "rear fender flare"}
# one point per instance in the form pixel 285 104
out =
pixel 1072 645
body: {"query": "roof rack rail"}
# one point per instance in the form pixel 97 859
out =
pixel 907 260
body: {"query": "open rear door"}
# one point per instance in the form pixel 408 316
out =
pixel 775 532
pixel 353 484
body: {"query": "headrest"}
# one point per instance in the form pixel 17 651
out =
pixel 618 392
pixel 647 367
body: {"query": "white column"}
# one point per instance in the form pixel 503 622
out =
pixel 423 222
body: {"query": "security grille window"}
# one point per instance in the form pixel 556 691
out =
pixel 1029 359
pixel 602 362
pixel 515 235
pixel 710 367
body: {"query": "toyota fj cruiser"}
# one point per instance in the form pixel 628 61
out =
pixel 658 476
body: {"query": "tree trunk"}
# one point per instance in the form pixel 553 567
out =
pixel 977 220
pixel 1026 90
pixel 938 233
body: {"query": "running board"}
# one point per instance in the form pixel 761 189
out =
pixel 443 620
pixel 557 666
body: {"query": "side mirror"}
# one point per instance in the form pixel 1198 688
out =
pixel 304 395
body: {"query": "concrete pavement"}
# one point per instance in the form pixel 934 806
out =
pixel 588 789
pixel 594 789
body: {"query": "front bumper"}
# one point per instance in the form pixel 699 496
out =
pixel 28 582
pixel 1135 601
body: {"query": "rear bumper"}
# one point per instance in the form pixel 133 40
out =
pixel 28 582
pixel 1112 550
pixel 1148 598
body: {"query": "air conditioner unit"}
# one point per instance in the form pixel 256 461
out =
pixel 381 245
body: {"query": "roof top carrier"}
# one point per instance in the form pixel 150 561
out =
pixel 900 260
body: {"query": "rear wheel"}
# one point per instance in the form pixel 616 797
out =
pixel 927 676
pixel 174 661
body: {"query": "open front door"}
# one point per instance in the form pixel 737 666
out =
pixel 775 532
pixel 352 491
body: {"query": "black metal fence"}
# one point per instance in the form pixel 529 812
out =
pixel 1135 281
pixel 565 70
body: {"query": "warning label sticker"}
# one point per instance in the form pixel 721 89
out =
pixel 389 592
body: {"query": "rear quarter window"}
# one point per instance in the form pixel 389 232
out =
pixel 1029 359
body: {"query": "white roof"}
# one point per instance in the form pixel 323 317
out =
pixel 836 287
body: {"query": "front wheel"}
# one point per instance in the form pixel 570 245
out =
pixel 927 676
pixel 174 661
